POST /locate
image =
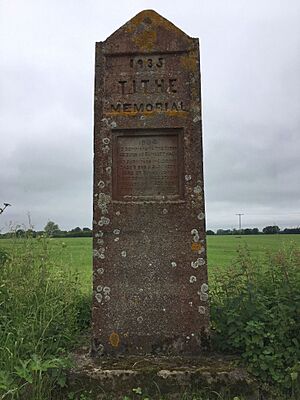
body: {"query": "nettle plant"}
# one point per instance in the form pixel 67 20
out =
pixel 255 312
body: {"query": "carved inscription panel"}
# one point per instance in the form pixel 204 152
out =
pixel 147 165
pixel 142 84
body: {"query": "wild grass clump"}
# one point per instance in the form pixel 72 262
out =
pixel 255 310
pixel 41 308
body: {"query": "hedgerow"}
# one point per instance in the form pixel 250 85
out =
pixel 255 310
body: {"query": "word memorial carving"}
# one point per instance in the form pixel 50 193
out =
pixel 150 292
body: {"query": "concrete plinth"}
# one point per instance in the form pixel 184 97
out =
pixel 161 377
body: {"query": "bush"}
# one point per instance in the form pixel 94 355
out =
pixel 40 308
pixel 255 312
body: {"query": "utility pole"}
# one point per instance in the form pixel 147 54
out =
pixel 240 222
pixel 5 205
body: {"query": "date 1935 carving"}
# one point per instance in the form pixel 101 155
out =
pixel 147 62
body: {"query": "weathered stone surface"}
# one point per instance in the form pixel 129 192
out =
pixel 167 377
pixel 150 277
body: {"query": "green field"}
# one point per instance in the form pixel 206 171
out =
pixel 45 309
pixel 221 250
pixel 76 253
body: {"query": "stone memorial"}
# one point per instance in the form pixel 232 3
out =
pixel 150 292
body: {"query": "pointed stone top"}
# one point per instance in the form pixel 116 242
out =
pixel 148 32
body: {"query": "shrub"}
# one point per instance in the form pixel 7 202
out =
pixel 255 312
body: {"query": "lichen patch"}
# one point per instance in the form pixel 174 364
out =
pixel 114 339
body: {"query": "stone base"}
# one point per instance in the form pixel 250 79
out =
pixel 167 377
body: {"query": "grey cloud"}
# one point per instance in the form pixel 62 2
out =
pixel 250 58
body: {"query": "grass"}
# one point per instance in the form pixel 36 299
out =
pixel 74 253
pixel 221 250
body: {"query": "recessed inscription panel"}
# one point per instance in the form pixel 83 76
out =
pixel 147 165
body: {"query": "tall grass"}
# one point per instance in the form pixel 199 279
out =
pixel 41 309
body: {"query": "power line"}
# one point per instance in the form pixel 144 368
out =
pixel 273 215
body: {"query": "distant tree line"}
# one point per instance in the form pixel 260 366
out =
pixel 51 229
pixel 254 231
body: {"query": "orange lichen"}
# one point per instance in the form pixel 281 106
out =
pixel 176 113
pixel 144 26
pixel 145 40
pixel 151 17
pixel 114 339
pixel 196 246
pixel 189 61
pixel 147 113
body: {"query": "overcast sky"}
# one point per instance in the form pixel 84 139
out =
pixel 250 60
